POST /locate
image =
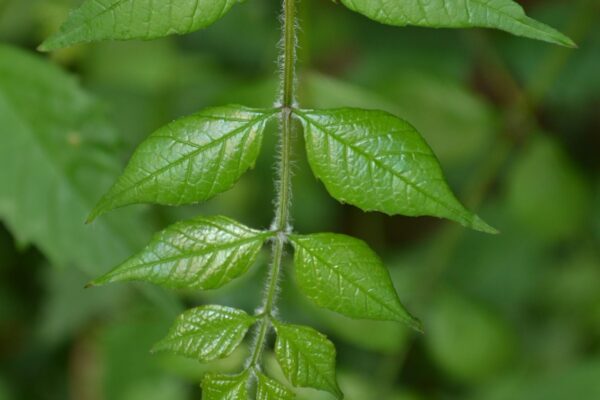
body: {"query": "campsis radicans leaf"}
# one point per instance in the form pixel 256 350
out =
pixel 191 159
pixel 306 357
pixel 499 14
pixel 201 253
pixel 343 274
pixel 97 20
pixel 378 162
pixel 206 333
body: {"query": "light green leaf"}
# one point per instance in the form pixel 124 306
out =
pixel 379 162
pixel 343 274
pixel 270 389
pixel 202 253
pixel 207 333
pixel 191 159
pixel 500 14
pixel 56 150
pixel 225 387
pixel 306 357
pixel 97 20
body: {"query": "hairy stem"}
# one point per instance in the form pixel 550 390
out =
pixel 281 224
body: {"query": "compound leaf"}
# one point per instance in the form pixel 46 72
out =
pixel 343 274
pixel 500 14
pixel 225 387
pixel 270 389
pixel 379 162
pixel 206 333
pixel 98 20
pixel 201 253
pixel 306 357
pixel 190 160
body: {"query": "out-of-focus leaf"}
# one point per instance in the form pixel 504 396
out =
pixel 98 20
pixel 190 159
pixel 206 333
pixel 378 162
pixel 225 387
pixel 546 192
pixel 306 357
pixel 500 14
pixel 467 341
pixel 202 253
pixel 127 365
pixel 579 381
pixel 56 151
pixel 68 307
pixel 270 389
pixel 343 274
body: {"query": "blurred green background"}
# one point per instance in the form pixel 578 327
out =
pixel 515 123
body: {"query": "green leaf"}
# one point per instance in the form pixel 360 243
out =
pixel 191 159
pixel 207 333
pixel 306 357
pixel 343 274
pixel 97 20
pixel 378 162
pixel 202 253
pixel 500 14
pixel 56 151
pixel 225 387
pixel 270 389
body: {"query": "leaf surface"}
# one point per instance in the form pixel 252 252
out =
pixel 225 387
pixel 202 253
pixel 190 159
pixel 98 20
pixel 499 14
pixel 56 149
pixel 378 162
pixel 270 389
pixel 343 274
pixel 306 357
pixel 206 333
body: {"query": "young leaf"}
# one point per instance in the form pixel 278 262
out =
pixel 190 160
pixel 500 14
pixel 270 389
pixel 98 20
pixel 206 333
pixel 225 387
pixel 306 357
pixel 343 274
pixel 376 161
pixel 202 253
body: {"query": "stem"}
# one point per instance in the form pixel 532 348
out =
pixel 281 224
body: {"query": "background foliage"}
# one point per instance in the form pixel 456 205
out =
pixel 514 122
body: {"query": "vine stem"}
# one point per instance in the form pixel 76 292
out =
pixel 281 223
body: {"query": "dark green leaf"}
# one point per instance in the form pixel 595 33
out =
pixel 202 253
pixel 225 387
pixel 343 274
pixel 98 20
pixel 191 159
pixel 306 357
pixel 500 14
pixel 270 389
pixel 207 333
pixel 56 151
pixel 378 162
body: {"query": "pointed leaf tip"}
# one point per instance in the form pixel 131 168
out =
pixel 482 226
